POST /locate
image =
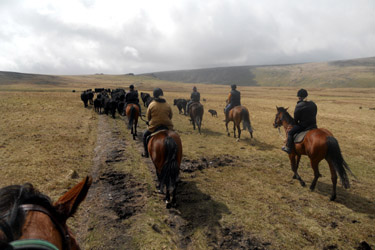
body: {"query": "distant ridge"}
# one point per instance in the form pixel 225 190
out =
pixel 358 73
pixel 343 73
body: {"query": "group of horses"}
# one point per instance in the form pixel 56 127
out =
pixel 29 220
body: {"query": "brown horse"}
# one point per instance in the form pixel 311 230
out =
pixel 318 144
pixel 132 112
pixel 236 115
pixel 165 149
pixel 196 114
pixel 29 220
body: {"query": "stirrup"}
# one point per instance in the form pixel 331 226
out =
pixel 145 155
pixel 286 149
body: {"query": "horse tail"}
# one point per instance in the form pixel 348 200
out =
pixel 131 117
pixel 335 157
pixel 170 170
pixel 246 120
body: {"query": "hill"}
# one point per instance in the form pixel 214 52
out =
pixel 358 73
pixel 346 73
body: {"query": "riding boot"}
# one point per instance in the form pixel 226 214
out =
pixel 289 145
pixel 226 116
pixel 145 152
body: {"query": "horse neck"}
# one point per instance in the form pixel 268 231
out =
pixel 287 125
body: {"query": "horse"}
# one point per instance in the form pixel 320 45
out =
pixel 238 114
pixel 146 98
pixel 29 220
pixel 165 150
pixel 196 113
pixel 318 144
pixel 132 112
pixel 181 105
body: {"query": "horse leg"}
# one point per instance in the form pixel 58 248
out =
pixel 315 167
pixel 292 158
pixel 234 129
pixel 226 125
pixel 168 198
pixel 239 131
pixel 334 180
pixel 135 129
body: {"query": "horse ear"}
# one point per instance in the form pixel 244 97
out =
pixel 287 108
pixel 67 204
pixel 277 108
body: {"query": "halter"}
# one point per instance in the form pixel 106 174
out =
pixel 38 243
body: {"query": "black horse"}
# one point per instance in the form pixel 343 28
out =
pixel 181 105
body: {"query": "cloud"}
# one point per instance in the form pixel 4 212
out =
pixel 116 37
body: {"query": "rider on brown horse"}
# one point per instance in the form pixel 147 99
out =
pixel 132 97
pixel 234 99
pixel 194 97
pixel 304 117
pixel 159 113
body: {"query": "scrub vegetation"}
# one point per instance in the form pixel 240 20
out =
pixel 232 194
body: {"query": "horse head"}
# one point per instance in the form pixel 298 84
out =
pixel 29 220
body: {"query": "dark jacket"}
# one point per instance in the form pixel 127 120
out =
pixel 195 97
pixel 132 97
pixel 234 98
pixel 305 114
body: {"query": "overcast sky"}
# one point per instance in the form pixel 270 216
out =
pixel 139 36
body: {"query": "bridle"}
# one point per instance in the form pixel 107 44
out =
pixel 278 125
pixel 38 243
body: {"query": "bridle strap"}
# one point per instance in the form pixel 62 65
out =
pixel 33 244
pixel 64 235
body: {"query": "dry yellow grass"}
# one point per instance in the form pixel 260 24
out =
pixel 45 133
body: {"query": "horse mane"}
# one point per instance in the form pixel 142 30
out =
pixel 286 116
pixel 11 217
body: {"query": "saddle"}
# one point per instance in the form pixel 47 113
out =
pixel 301 135
pixel 157 131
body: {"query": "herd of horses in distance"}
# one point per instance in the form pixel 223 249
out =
pixel 29 219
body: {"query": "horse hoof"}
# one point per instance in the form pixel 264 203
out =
pixel 228 134
pixel 169 205
pixel 333 197
pixel 303 183
pixel 238 139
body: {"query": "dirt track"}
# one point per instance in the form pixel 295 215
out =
pixel 115 196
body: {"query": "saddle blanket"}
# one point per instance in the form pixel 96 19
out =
pixel 300 136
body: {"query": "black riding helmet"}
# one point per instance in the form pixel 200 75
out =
pixel 158 92
pixel 302 93
pixel 131 86
pixel 233 86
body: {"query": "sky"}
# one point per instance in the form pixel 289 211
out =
pixel 72 37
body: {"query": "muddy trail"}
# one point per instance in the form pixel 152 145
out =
pixel 117 196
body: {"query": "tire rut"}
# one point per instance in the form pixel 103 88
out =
pixel 114 196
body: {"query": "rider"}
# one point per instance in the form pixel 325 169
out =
pixel 234 99
pixel 132 97
pixel 159 113
pixel 194 97
pixel 304 117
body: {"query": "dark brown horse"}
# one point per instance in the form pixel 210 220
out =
pixel 132 112
pixel 318 144
pixel 236 115
pixel 29 220
pixel 165 149
pixel 196 114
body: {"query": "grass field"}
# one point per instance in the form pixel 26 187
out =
pixel 244 192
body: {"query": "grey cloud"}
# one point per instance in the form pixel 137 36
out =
pixel 205 34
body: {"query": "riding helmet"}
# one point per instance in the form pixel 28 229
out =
pixel 302 93
pixel 158 92
pixel 233 86
pixel 131 86
pixel 194 88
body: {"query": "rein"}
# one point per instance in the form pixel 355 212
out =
pixel 38 243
